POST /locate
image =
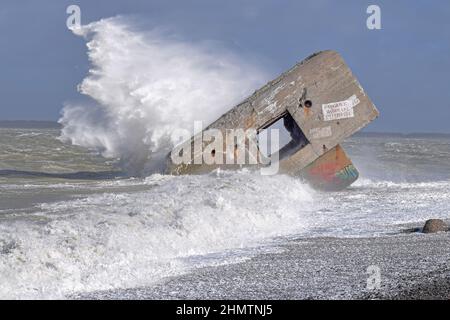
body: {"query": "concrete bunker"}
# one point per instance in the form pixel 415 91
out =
pixel 316 105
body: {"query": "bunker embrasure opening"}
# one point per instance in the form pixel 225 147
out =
pixel 290 137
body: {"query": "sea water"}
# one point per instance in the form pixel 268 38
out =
pixel 71 221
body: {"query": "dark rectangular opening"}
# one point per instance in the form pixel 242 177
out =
pixel 291 137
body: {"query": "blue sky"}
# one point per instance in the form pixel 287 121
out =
pixel 405 67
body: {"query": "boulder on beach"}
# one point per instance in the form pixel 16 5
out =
pixel 434 225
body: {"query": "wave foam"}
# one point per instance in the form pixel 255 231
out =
pixel 121 240
pixel 145 86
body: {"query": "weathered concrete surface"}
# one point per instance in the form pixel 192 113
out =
pixel 332 171
pixel 340 107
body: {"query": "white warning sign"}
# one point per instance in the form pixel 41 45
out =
pixel 339 110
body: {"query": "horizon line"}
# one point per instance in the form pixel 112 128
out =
pixel 54 124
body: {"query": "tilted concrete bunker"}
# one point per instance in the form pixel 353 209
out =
pixel 325 103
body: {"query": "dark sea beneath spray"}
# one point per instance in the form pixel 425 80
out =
pixel 71 222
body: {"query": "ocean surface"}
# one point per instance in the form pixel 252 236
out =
pixel 72 222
